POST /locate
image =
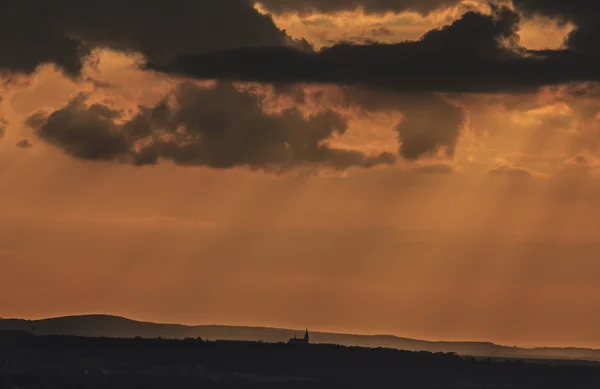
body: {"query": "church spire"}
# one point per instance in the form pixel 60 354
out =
pixel 300 341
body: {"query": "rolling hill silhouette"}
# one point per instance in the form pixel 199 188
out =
pixel 120 327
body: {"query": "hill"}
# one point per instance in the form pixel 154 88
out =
pixel 120 327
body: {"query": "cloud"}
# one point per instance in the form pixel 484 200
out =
pixel 476 53
pixel 83 132
pixel 380 6
pixel 430 122
pixel 435 168
pixel 564 9
pixel 35 32
pixel 580 167
pixel 220 127
pixel 3 122
pixel 578 163
pixel 513 172
pixel 24 144
pixel 429 127
pixel 584 13
pixel 29 37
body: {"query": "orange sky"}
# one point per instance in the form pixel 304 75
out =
pixel 498 243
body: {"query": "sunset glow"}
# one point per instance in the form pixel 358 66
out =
pixel 359 207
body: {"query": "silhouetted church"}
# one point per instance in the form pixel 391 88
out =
pixel 295 340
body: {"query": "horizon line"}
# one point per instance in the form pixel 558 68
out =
pixel 492 343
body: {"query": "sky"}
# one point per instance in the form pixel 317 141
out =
pixel 421 168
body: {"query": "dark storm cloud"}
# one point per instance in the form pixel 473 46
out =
pixel 29 37
pixel 430 122
pixel 584 13
pixel 428 127
pixel 565 9
pixel 34 32
pixel 470 55
pixel 218 128
pixel 304 6
pixel 83 132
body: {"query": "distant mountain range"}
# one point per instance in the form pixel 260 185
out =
pixel 120 327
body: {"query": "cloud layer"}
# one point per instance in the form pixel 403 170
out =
pixel 477 53
pixel 584 13
pixel 280 6
pixel 34 32
pixel 218 127
pixel 232 41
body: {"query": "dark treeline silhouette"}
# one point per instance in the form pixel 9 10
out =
pixel 28 361
pixel 120 327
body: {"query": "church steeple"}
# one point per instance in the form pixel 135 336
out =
pixel 300 341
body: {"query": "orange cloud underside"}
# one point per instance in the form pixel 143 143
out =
pixel 326 29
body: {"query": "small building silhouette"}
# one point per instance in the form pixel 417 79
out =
pixel 299 341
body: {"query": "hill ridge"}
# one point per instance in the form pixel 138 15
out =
pixel 102 325
pixel 93 315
